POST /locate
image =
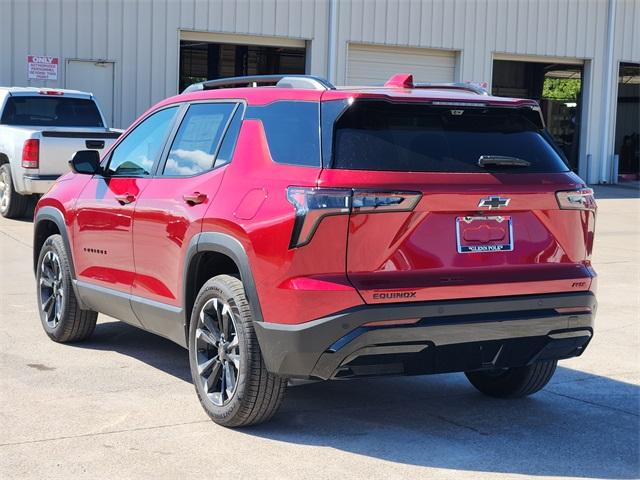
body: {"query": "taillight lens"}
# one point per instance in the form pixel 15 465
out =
pixel 313 204
pixel 31 153
pixel 582 199
pixel 371 202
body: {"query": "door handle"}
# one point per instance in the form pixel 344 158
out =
pixel 125 199
pixel 195 198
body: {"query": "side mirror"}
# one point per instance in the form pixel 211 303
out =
pixel 86 162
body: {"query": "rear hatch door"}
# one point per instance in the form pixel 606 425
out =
pixel 429 221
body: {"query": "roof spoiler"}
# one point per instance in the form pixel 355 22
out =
pixel 283 81
pixel 405 80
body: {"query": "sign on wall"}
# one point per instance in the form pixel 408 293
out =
pixel 42 67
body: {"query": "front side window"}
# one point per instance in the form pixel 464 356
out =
pixel 195 146
pixel 138 151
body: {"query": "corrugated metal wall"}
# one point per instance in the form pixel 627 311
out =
pixel 142 37
pixel 483 29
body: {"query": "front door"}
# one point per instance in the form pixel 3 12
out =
pixel 103 226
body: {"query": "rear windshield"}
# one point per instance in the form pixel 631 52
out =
pixel 380 135
pixel 51 111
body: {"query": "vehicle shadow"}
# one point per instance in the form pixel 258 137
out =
pixel 581 425
pixel 146 347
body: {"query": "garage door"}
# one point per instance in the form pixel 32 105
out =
pixel 374 64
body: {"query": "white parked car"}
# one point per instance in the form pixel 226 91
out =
pixel 40 129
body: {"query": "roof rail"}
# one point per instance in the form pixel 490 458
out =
pixel 453 86
pixel 281 80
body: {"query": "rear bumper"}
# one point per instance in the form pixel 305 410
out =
pixel 460 335
pixel 34 183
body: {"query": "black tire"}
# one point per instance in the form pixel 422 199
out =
pixel 62 319
pixel 12 204
pixel 513 382
pixel 256 394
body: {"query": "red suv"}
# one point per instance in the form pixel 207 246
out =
pixel 281 228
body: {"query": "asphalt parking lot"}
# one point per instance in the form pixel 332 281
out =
pixel 123 406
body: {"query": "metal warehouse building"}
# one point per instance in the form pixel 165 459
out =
pixel 580 59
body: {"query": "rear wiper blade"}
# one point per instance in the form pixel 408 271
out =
pixel 502 161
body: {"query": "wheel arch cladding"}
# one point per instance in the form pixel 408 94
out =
pixel 210 254
pixel 50 221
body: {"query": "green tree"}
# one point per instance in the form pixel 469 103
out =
pixel 561 88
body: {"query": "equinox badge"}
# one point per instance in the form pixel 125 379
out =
pixel 493 202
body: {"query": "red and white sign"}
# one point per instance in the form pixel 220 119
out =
pixel 42 68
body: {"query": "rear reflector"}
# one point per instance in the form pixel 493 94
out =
pixel 562 310
pixel 31 153
pixel 313 204
pixel 582 199
pixel 385 323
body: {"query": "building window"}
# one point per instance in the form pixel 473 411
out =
pixel 201 61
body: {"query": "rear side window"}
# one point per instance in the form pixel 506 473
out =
pixel 379 135
pixel 51 111
pixel 292 129
pixel 195 146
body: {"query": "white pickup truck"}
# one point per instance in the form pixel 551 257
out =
pixel 40 129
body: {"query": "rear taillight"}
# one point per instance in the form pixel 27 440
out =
pixel 372 202
pixel 581 199
pixel 31 153
pixel 313 204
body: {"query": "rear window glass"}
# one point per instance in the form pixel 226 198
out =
pixel 378 135
pixel 292 129
pixel 51 111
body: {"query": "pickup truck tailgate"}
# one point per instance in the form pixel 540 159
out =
pixel 57 146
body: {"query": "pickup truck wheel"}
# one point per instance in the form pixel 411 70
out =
pixel 62 319
pixel 228 371
pixel 12 204
pixel 513 382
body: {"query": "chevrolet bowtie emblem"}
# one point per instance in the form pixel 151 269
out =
pixel 493 202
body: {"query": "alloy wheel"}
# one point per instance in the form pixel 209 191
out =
pixel 217 351
pixel 51 288
pixel 5 190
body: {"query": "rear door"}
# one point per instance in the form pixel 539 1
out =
pixel 170 210
pixel 429 222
